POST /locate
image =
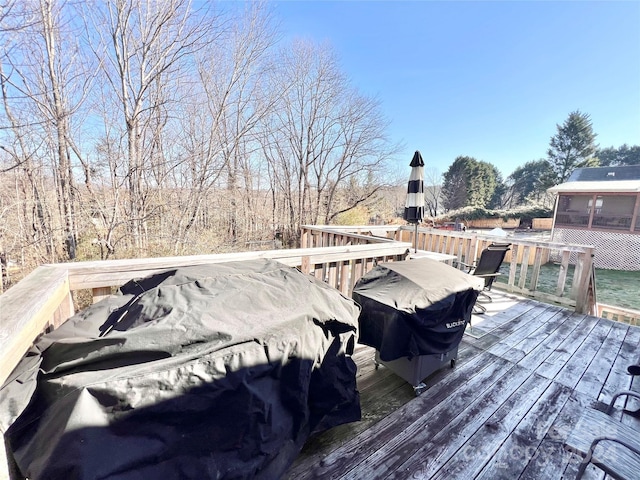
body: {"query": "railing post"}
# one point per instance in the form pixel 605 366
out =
pixel 562 277
pixel 344 277
pixel 513 266
pixel 100 293
pixel 537 262
pixel 524 266
pixel 581 282
pixel 64 311
pixel 306 265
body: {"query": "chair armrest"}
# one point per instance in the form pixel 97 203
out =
pixel 621 459
pixel 626 393
pixel 470 267
pixel 611 438
pixel 619 468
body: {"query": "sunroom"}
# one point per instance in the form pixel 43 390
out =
pixel 602 212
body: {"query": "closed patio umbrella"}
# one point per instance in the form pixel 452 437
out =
pixel 414 205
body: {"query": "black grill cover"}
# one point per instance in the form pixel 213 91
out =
pixel 217 371
pixel 415 307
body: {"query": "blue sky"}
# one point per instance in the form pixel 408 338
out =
pixel 486 79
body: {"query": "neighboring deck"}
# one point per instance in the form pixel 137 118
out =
pixel 524 373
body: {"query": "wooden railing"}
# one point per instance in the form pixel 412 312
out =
pixel 337 255
pixel 43 299
pixel 314 236
pixel 524 260
pixel 624 315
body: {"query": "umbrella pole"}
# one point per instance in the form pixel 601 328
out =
pixel 415 239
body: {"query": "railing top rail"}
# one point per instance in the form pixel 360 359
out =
pixel 352 228
pixel 103 273
pixel 352 231
pixel 572 247
pixel 27 307
pixel 25 310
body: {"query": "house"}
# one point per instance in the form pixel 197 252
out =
pixel 600 206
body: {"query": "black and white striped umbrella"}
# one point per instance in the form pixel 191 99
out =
pixel 414 206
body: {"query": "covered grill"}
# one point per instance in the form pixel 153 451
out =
pixel 211 371
pixel 414 314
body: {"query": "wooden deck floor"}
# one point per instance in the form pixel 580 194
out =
pixel 524 373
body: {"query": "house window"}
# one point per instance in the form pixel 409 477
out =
pixel 613 212
pixel 574 210
pixel 598 205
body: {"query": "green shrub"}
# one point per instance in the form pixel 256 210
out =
pixel 525 213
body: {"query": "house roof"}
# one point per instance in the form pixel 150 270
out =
pixel 601 179
pixel 605 174
pixel 608 186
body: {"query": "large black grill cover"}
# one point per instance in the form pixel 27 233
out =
pixel 415 307
pixel 217 371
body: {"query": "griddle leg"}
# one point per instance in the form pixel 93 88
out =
pixel 418 389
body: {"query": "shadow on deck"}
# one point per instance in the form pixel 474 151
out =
pixel 525 371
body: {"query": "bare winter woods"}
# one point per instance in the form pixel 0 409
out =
pixel 134 128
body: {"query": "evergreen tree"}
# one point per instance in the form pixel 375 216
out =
pixel 469 182
pixel 624 155
pixel 455 182
pixel 527 183
pixel 497 198
pixel 572 147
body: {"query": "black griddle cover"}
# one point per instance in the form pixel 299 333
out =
pixel 414 307
pixel 218 371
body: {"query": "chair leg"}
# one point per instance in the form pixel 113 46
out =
pixel 479 309
pixel 583 467
pixel 621 393
pixel 485 296
pixel 624 393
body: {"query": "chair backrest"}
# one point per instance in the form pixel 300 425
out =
pixel 489 262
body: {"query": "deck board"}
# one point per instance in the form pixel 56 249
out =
pixel 565 324
pixel 556 361
pixel 551 458
pixel 443 417
pixel 523 377
pixel 388 430
pixel 576 365
pixel 524 441
pixel 598 370
pixel 435 451
pixel 513 347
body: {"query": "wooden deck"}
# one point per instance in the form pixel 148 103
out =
pixel 525 371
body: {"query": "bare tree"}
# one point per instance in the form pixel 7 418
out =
pixel 322 137
pixel 147 48
pixel 60 75
pixel 135 127
pixel 232 74
pixel 432 190
pixel 21 156
pixel 48 80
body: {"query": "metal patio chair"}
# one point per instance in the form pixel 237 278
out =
pixel 606 442
pixel 487 267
